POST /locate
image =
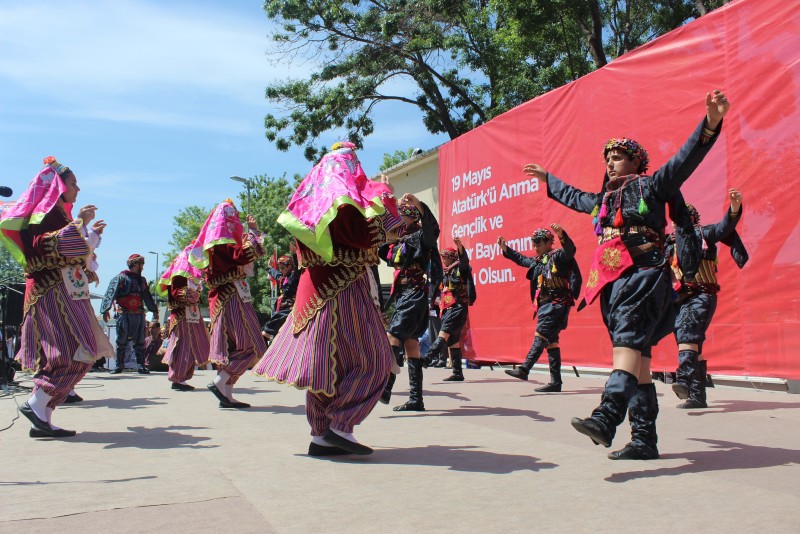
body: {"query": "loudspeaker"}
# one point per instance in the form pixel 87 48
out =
pixel 15 298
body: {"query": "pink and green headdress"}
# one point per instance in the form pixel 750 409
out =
pixel 336 180
pixel 180 266
pixel 222 227
pixel 37 201
pixel 631 148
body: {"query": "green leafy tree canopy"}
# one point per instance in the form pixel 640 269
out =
pixel 459 62
pixel 268 198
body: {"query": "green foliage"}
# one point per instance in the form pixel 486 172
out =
pixel 268 198
pixel 459 62
pixel 10 270
pixel 185 227
pixel 399 156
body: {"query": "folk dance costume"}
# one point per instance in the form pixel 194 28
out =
pixel 188 343
pixel 456 298
pixel 223 252
pixel 410 256
pixel 130 291
pixel 333 343
pixel 555 282
pixel 629 273
pixel 287 291
pixel 60 335
pixel 697 301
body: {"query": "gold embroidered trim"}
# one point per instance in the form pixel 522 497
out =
pixel 611 259
pixel 346 257
pixel 41 285
pixel 40 263
pixel 224 294
pixel 178 300
pixel 328 290
pixel 594 277
pixel 177 315
pixel 350 257
pixel 237 273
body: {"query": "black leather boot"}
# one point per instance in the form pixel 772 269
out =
pixel 687 365
pixel 120 366
pixel 434 354
pixel 554 359
pixel 522 372
pixel 458 374
pixel 642 414
pixel 398 355
pixel 386 396
pixel 602 425
pixel 414 403
pixel 697 389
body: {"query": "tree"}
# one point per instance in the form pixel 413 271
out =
pixel 398 157
pixel 10 270
pixel 466 61
pixel 268 198
pixel 185 227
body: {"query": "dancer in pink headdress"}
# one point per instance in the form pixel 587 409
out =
pixel 223 251
pixel 333 343
pixel 59 329
pixel 188 338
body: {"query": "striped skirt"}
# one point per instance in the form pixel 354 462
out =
pixel 188 346
pixel 58 342
pixel 345 337
pixel 236 337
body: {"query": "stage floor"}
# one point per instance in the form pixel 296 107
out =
pixel 489 455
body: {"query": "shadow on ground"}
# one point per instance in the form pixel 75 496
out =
pixel 456 458
pixel 45 483
pixel 118 404
pixel 476 411
pixel 140 437
pixel 585 391
pixel 744 406
pixel 725 456
pixel 300 409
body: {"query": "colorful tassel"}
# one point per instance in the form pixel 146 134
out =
pixel 643 208
pixel 603 211
pixel 595 210
pixel 619 222
pixel 598 229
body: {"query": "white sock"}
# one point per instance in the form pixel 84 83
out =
pixel 346 435
pixel 50 419
pixel 72 393
pixel 221 381
pixel 38 403
pixel 319 440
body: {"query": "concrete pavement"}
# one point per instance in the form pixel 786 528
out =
pixel 489 455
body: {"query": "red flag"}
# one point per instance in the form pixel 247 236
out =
pixel 273 262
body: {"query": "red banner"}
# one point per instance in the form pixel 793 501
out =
pixel 751 50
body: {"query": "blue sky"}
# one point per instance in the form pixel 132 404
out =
pixel 154 105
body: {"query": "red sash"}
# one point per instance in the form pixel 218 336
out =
pixel 610 260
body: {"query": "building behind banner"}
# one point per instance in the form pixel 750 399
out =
pixel 749 48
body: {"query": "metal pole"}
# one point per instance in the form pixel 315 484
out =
pixel 248 197
pixel 156 280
